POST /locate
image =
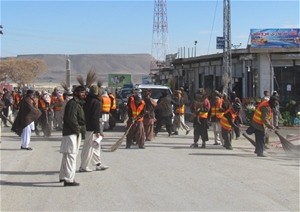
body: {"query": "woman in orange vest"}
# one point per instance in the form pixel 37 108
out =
pixel 200 108
pixel 228 124
pixel 136 110
pixel 261 121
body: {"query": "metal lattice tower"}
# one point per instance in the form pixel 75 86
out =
pixel 227 73
pixel 160 34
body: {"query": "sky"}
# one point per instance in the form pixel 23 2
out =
pixel 126 27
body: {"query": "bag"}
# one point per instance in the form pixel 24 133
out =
pixel 250 130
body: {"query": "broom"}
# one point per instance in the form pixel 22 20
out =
pixel 286 145
pixel 249 139
pixel 116 145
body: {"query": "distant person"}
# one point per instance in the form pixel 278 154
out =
pixel 164 113
pixel 106 105
pixel 73 131
pixel 136 111
pixel 179 111
pixel 200 108
pixel 2 105
pixel 24 122
pixel 8 100
pixel 266 96
pixel 276 112
pixel 215 114
pixel 149 118
pixel 228 123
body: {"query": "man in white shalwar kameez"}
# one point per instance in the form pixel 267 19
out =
pixel 73 132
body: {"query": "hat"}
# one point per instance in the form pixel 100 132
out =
pixel 29 92
pixel 94 90
pixel 178 92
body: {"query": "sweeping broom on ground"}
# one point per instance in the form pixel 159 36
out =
pixel 286 145
pixel 116 145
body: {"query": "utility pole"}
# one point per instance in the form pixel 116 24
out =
pixel 68 72
pixel 227 63
pixel 159 35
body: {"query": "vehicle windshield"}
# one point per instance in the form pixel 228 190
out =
pixel 125 93
pixel 156 93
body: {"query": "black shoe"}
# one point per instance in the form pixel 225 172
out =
pixel 26 148
pixel 175 133
pixel 142 147
pixel 187 132
pixel 203 146
pixel 261 156
pixel 194 145
pixel 277 127
pixel 61 180
pixel 71 183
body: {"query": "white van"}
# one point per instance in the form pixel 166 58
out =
pixel 156 90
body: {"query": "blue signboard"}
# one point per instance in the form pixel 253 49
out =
pixel 275 38
pixel 220 43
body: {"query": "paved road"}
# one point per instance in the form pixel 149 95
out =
pixel 166 176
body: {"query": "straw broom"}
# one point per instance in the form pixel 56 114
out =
pixel 286 145
pixel 116 145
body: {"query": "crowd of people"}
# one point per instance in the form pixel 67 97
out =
pixel 85 114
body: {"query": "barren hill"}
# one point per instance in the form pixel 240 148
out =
pixel 104 64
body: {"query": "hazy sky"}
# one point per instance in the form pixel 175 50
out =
pixel 125 27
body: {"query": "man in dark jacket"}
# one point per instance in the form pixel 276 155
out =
pixel 90 154
pixel 24 123
pixel 164 113
pixel 73 132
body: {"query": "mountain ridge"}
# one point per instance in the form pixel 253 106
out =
pixel 104 64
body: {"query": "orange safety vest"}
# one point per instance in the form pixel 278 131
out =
pixel 216 109
pixel 17 99
pixel 106 103
pixel 180 110
pixel 224 121
pixel 137 110
pixel 58 102
pixel 203 115
pixel 257 114
pixel 113 101
pixel 42 104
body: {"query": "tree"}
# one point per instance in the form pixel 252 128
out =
pixel 21 71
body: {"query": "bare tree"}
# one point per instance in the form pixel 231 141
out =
pixel 22 71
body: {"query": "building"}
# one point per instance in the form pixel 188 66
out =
pixel 253 71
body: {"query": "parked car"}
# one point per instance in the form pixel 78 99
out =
pixel 156 90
